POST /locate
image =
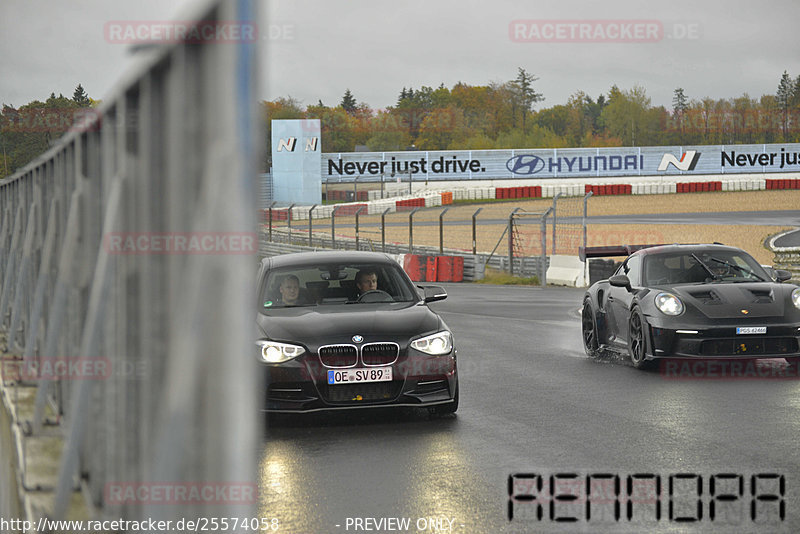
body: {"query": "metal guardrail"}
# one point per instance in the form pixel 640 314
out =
pixel 786 258
pixel 474 264
pixel 173 152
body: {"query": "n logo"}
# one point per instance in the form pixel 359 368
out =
pixel 687 162
pixel 288 144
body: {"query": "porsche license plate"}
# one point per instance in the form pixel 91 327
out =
pixel 360 376
pixel 751 330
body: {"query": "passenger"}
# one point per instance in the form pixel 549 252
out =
pixel 366 280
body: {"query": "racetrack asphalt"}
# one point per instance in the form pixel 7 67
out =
pixel 789 239
pixel 532 402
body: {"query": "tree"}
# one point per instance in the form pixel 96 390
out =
pixel 348 102
pixel 784 98
pixel 579 122
pixel 796 93
pixel 81 98
pixel 626 116
pixel 679 106
pixel 443 128
pixel 525 95
pixel 388 132
pixel 555 119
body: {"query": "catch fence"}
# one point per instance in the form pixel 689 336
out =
pixel 492 236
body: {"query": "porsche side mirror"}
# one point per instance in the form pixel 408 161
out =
pixel 620 280
pixel 433 293
pixel 782 276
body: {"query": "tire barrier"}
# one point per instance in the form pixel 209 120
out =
pixel 409 204
pixel 423 268
pixel 609 189
pixel 348 196
pixel 347 210
pixel 534 191
pixel 783 184
pixel 698 187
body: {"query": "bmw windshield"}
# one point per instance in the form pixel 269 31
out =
pixel 335 284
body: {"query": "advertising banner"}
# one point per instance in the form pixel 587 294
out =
pixel 561 163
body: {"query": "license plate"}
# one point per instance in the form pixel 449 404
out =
pixel 360 376
pixel 751 330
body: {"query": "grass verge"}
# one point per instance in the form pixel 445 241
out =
pixel 493 276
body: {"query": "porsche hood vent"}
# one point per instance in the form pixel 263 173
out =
pixel 752 295
pixel 707 296
pixel 762 296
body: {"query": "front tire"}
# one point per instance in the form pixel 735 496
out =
pixel 637 341
pixel 591 343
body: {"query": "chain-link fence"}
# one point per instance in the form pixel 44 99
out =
pixel 494 232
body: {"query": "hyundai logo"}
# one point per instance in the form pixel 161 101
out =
pixel 357 339
pixel 525 164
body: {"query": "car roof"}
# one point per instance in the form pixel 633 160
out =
pixel 678 248
pixel 299 259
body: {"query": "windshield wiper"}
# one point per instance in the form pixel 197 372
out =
pixel 738 267
pixel 706 267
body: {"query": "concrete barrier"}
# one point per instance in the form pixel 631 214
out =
pixel 566 271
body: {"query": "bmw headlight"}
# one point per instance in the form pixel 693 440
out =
pixel 436 344
pixel 669 304
pixel 274 352
pixel 796 298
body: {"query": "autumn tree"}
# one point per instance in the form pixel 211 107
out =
pixel 627 116
pixel 443 128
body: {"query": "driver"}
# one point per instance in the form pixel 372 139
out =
pixel 290 291
pixel 720 269
pixel 366 280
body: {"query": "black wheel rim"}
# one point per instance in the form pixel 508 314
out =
pixel 589 333
pixel 637 345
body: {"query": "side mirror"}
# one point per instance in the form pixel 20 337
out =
pixel 782 276
pixel 433 293
pixel 620 280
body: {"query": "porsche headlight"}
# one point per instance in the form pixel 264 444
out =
pixel 436 344
pixel 274 352
pixel 796 298
pixel 669 304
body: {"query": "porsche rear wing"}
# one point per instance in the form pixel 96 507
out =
pixel 610 251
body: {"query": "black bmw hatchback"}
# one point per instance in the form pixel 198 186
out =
pixel 345 330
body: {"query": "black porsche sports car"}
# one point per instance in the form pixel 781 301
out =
pixel 343 330
pixel 691 301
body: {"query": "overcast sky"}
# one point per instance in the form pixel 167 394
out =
pixel 315 49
